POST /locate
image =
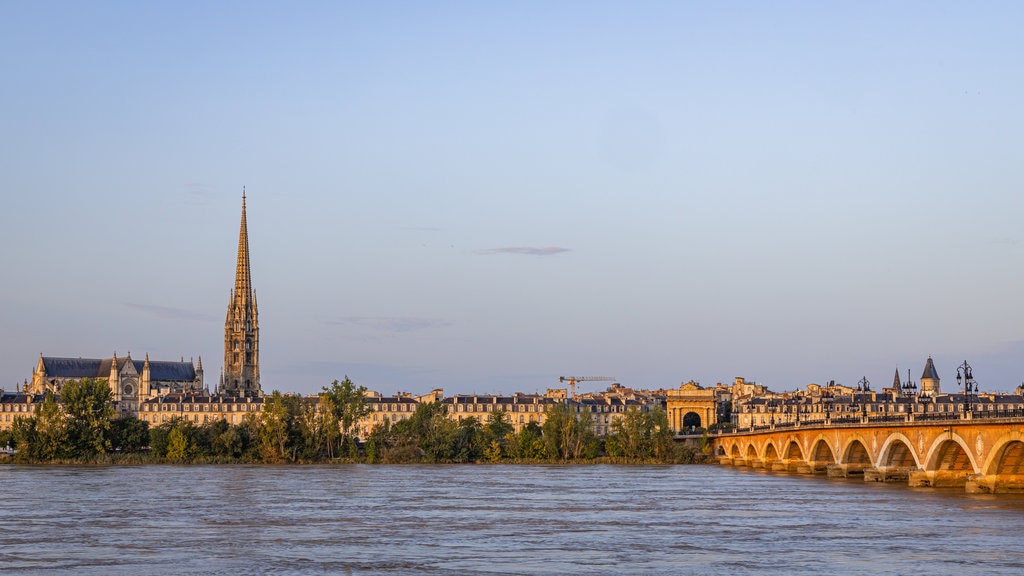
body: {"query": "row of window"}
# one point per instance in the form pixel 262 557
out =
pixel 171 407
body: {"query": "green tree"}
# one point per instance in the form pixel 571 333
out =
pixel 498 425
pixel 468 441
pixel 662 437
pixel 52 435
pixel 89 412
pixel 280 432
pixel 632 435
pixel 527 444
pixel 178 446
pixel 129 434
pixel 347 405
pixel 567 435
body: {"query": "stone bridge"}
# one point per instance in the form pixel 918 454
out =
pixel 979 455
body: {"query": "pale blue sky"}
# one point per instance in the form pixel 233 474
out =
pixel 482 196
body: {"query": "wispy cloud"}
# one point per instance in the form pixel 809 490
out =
pixel 527 250
pixel 197 194
pixel 391 323
pixel 168 313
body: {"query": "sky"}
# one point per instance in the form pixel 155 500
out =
pixel 485 196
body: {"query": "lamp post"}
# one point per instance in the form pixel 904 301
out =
pixel 909 390
pixel 909 387
pixel 826 402
pixel 965 376
pixel 863 386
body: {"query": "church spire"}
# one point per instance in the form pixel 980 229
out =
pixel 241 371
pixel 243 281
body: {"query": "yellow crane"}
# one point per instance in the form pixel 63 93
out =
pixel 572 380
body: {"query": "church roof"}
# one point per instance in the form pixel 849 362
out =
pixel 929 370
pixel 168 371
pixel 100 368
pixel 76 367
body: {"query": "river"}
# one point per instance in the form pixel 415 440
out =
pixel 492 519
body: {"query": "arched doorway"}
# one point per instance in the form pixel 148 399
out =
pixel 691 421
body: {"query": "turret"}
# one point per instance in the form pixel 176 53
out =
pixel 930 379
pixel 199 374
pixel 114 381
pixel 144 385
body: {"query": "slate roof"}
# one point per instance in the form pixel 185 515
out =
pixel 929 370
pixel 75 367
pixel 100 368
pixel 168 371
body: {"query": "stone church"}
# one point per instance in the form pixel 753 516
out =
pixel 134 382
pixel 130 380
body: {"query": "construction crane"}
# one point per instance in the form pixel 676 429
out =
pixel 572 380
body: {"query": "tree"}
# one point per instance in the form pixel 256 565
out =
pixel 89 412
pixel 178 446
pixel 632 435
pixel 468 444
pixel 568 436
pixel 347 405
pixel 527 444
pixel 280 431
pixel 50 434
pixel 498 426
pixel 129 434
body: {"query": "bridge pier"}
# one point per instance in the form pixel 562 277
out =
pixel 938 479
pixel 995 484
pixel 887 474
pixel 845 470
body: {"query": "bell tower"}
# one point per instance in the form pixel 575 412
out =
pixel 241 328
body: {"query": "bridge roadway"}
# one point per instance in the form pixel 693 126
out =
pixel 981 454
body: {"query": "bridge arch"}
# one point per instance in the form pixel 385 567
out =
pixel 793 451
pixel 856 452
pixel 950 453
pixel 822 454
pixel 898 452
pixel 751 452
pixel 735 451
pixel 1007 456
pixel 770 453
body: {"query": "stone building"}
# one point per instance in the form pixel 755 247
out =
pixel 130 381
pixel 241 375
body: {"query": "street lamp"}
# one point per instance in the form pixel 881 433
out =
pixel 826 401
pixel 909 387
pixel 864 386
pixel 965 376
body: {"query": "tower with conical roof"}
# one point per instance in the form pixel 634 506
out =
pixel 930 380
pixel 241 327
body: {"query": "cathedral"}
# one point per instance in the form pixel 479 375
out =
pixel 136 383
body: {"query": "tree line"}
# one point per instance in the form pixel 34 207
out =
pixel 80 426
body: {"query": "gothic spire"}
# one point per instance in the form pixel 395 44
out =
pixel 243 282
